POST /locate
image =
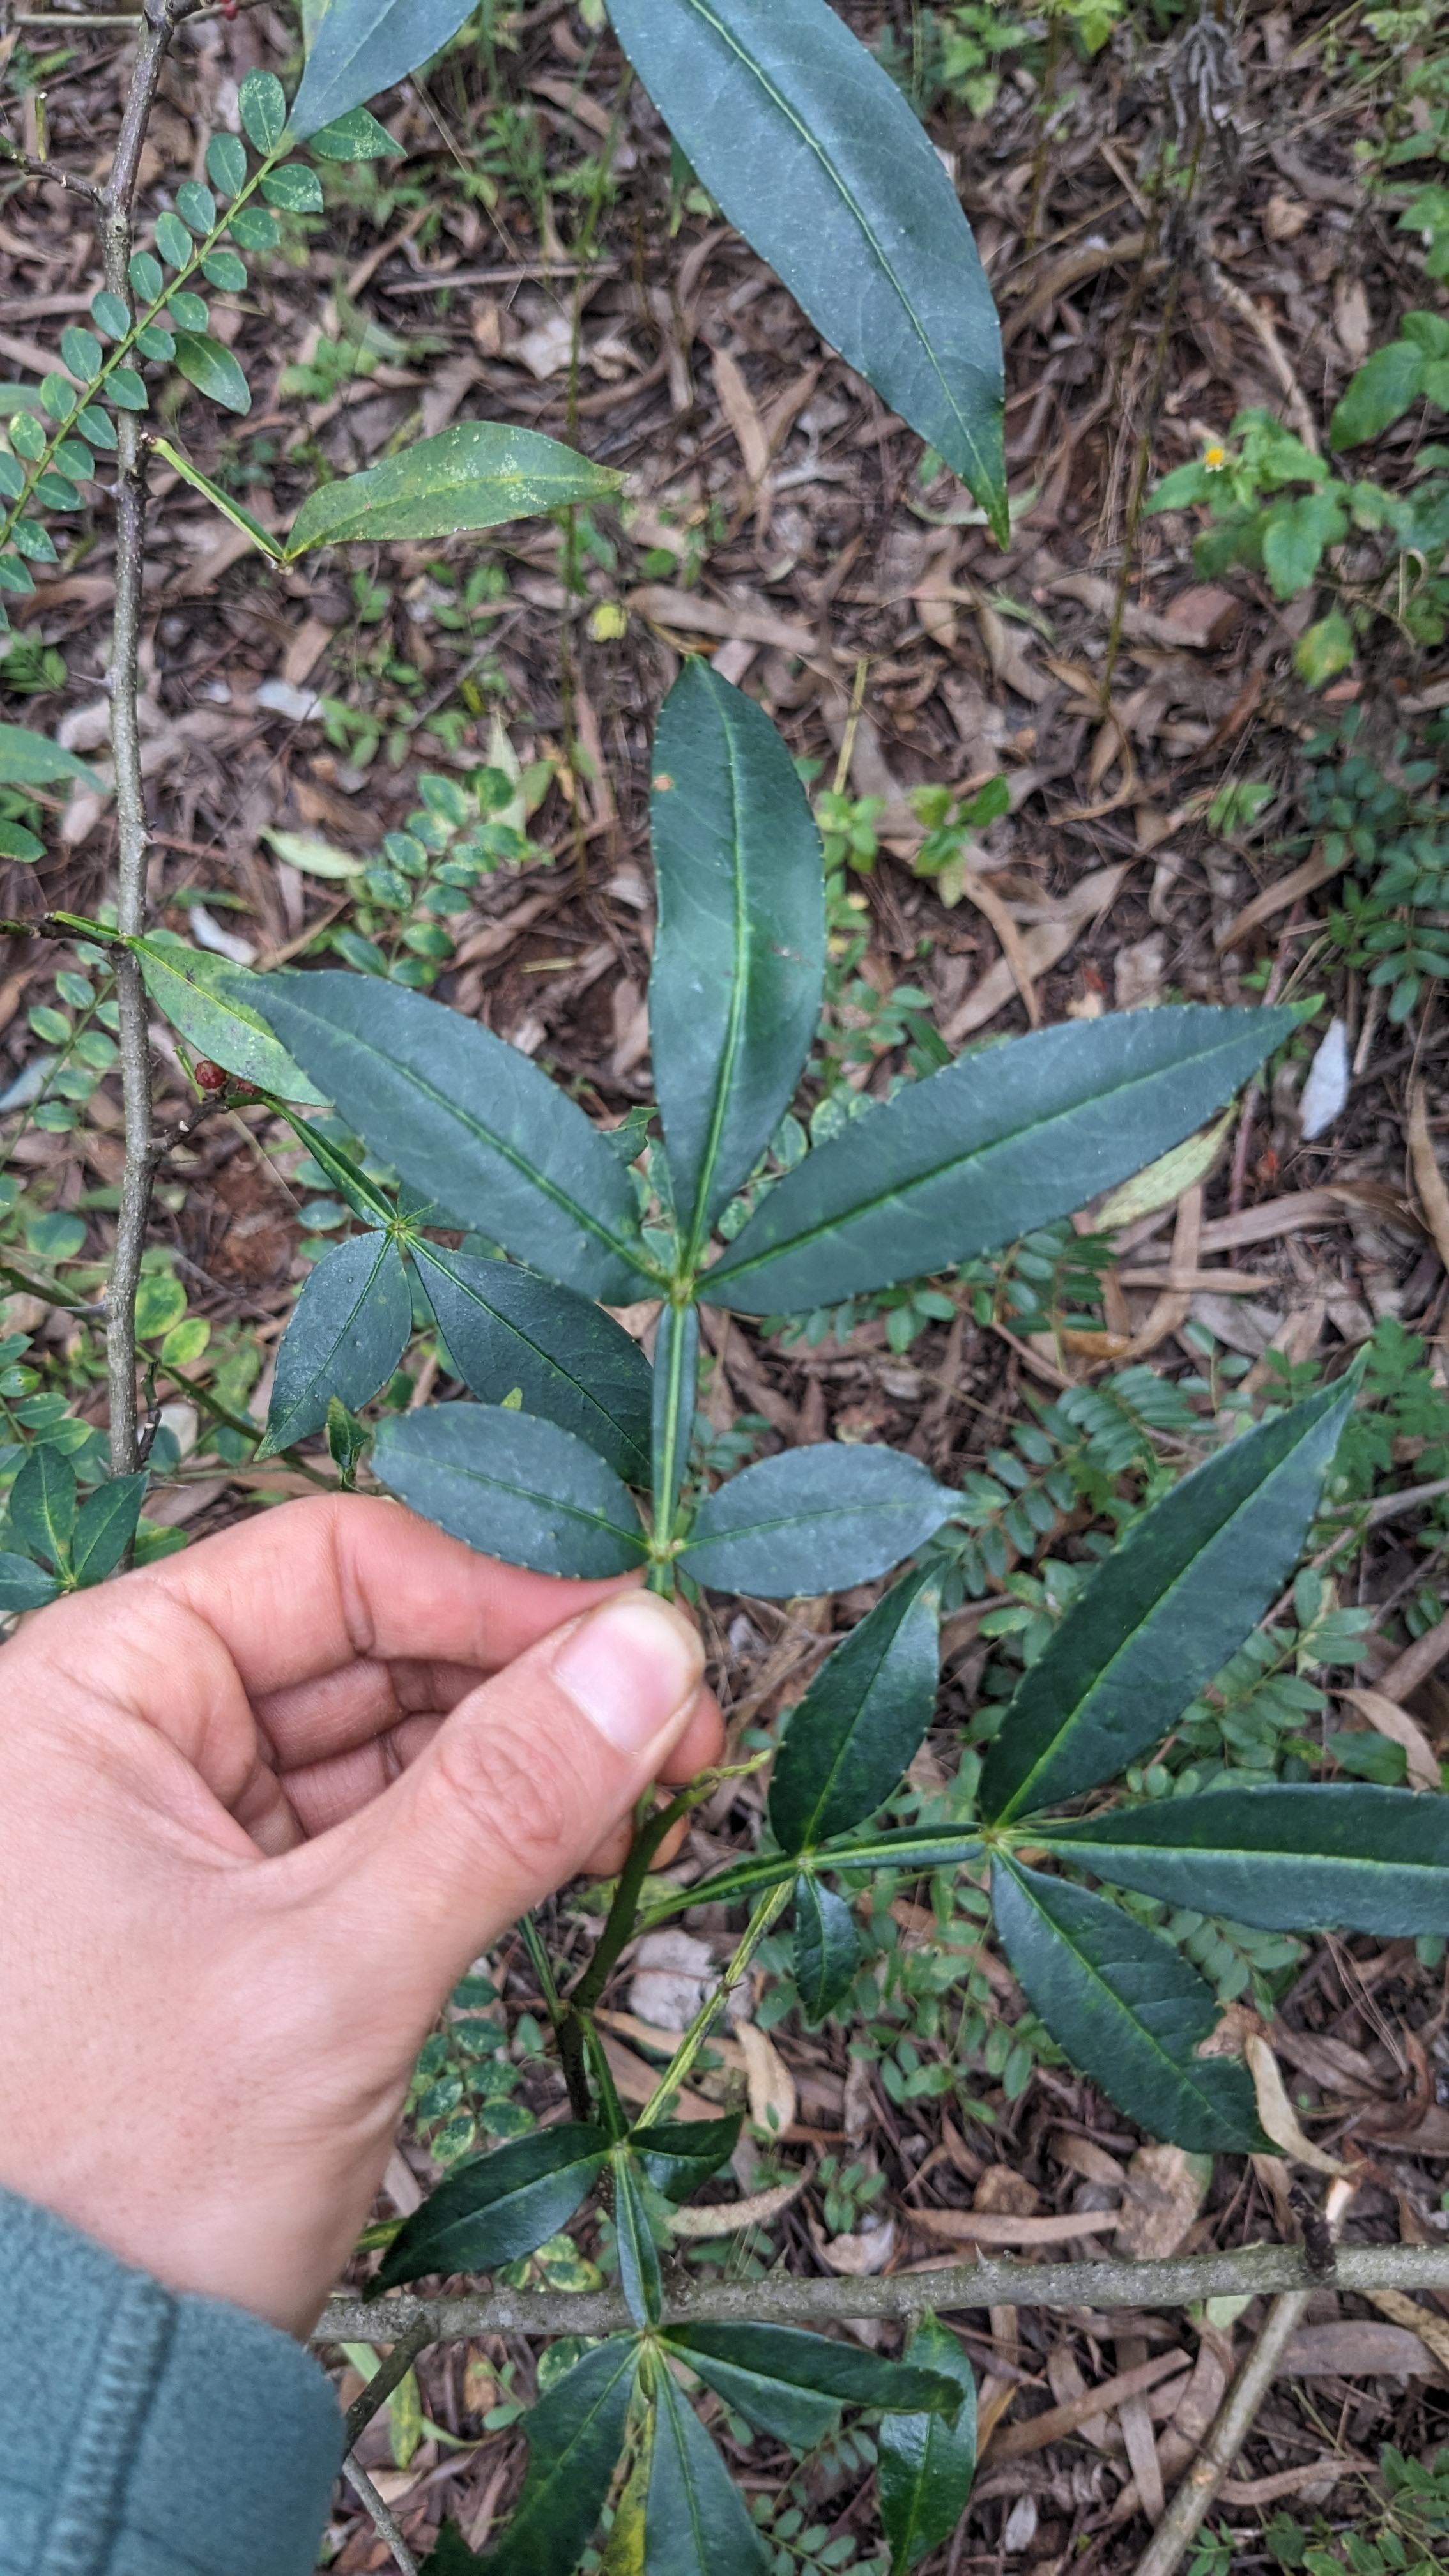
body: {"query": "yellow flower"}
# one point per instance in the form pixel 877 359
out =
pixel 1215 458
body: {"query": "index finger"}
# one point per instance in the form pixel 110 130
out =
pixel 316 1585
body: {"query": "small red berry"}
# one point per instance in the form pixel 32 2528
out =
pixel 209 1076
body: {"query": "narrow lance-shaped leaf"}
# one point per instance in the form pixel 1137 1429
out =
pixel 514 1487
pixel 908 1848
pixel 23 1585
pixel 1287 1859
pixel 678 2155
pixel 105 1526
pixel 676 1364
pixel 28 760
pixel 985 1150
pixel 574 1365
pixel 214 1005
pixel 862 1718
pixel 638 2253
pixel 739 958
pixel 43 1505
pixel 471 1123
pixel 927 2465
pixel 230 509
pixel 575 2435
pixel 348 1331
pixel 816 157
pixel 827 1950
pixel 696 2523
pixel 815 1520
pixel 497 2207
pixel 477 474
pixel 357 49
pixel 1165 1612
pixel 765 2370
pixel 1127 2009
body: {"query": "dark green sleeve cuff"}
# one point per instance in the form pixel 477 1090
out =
pixel 147 2434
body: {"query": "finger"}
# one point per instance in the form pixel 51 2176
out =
pixel 347 1577
pixel 518 1786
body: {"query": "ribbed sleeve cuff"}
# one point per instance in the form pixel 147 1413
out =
pixel 146 2434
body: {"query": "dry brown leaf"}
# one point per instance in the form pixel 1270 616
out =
pixel 860 2255
pixel 1277 897
pixel 1351 317
pixel 731 2217
pixel 988 902
pixel 1019 2439
pixel 1428 1178
pixel 1355 2348
pixel 1083 2156
pixel 1387 1718
pixel 1043 947
pixel 1276 2112
pixel 1166 2187
pixel 692 614
pixel 1416 1662
pixel 992 2227
pixel 1433 2331
pixel 638 2082
pixel 772 2086
pixel 738 405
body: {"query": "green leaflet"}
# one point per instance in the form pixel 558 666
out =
pixel 497 2207
pixel 477 474
pixel 28 760
pixel 638 2253
pixel 926 2464
pixel 24 1586
pixel 1363 1859
pixel 827 1951
pixel 816 158
pixel 213 1004
pixel 575 2435
pixel 1165 1612
pixel 43 1506
pixel 1127 2009
pixel 357 49
pixel 512 1486
pixel 785 2364
pixel 1378 394
pixel 348 1331
pixel 739 958
pixel 814 1520
pixel 213 370
pixel 986 1149
pixel 861 1720
pixel 508 1328
pixel 471 1123
pixel 678 2155
pixel 355 137
pixel 695 2521
pixel 105 1526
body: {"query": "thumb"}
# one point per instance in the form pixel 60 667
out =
pixel 519 1786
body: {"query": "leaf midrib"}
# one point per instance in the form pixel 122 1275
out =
pixel 466 1288
pixel 848 1739
pixel 354 1310
pixel 734 1026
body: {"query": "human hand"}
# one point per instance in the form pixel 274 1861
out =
pixel 262 1805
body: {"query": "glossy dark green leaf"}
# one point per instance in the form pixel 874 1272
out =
pixel 213 370
pixel 497 2207
pixel 24 1586
pixel 827 1951
pixel 358 49
pixel 817 159
pixel 43 1506
pixel 696 2523
pixel 638 2253
pixel 512 1486
pixel 294 189
pixel 105 1526
pixel 215 1006
pixel 508 1328
pixel 226 164
pixel 477 474
pixel 263 105
pixel 355 137
pixel 815 1520
pixel 925 2464
pixel 739 958
pixel 862 1718
pixel 1165 1612
pixel 470 1122
pixel 986 1149
pixel 678 2155
pixel 1286 1859
pixel 676 1369
pixel 575 2435
pixel 767 2370
pixel 348 1331
pixel 1127 2009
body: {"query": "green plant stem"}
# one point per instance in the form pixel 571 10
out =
pixel 542 1968
pixel 1183 2281
pixel 767 1908
pixel 650 1828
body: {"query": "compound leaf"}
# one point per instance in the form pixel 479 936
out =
pixel 985 1150
pixel 24 1586
pixel 927 2465
pixel 575 2435
pixel 816 157
pixel 471 1123
pixel 861 1720
pixel 678 2155
pixel 517 1488
pixel 696 2523
pixel 348 1331
pixel 814 1520
pixel 1127 2009
pixel 105 1526
pixel 1343 1857
pixel 213 1004
pixel 1165 1612
pixel 734 997
pixel 508 1328
pixel 43 1505
pixel 475 475
pixel 497 2207
pixel 827 1951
